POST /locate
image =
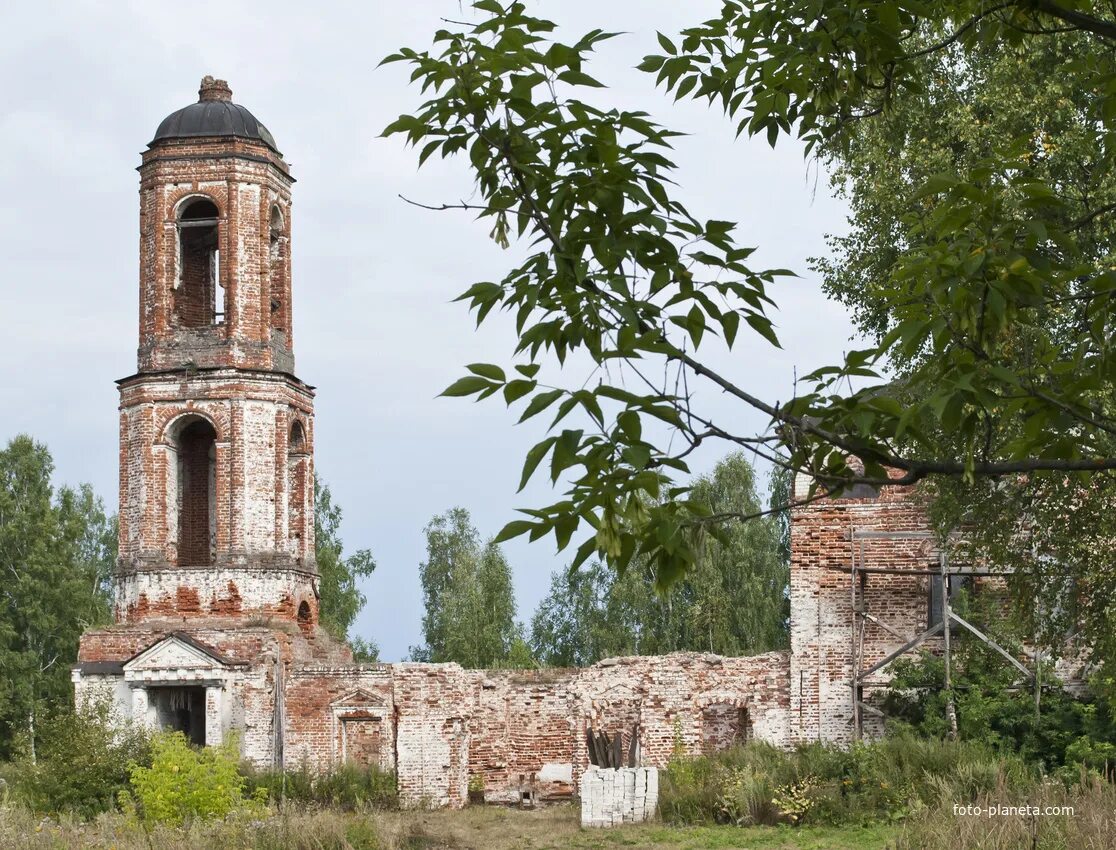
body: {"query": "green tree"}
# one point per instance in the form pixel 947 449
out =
pixel 741 576
pixel 341 598
pixel 451 539
pixel 470 605
pixel 732 602
pixel 56 553
pixel 955 122
pixel 989 267
pixel 994 704
pixel 779 496
pixel 570 627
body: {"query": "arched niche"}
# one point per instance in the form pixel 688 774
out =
pixel 192 490
pixel 299 483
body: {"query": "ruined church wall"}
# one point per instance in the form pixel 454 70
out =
pixel 821 601
pixel 330 708
pixel 434 703
pixel 247 703
pixel 526 735
pixel 522 733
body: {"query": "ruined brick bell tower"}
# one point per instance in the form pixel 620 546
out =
pixel 216 432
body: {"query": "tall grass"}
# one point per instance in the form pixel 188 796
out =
pixel 820 784
pixel 317 830
pixel 346 787
pixel 1091 826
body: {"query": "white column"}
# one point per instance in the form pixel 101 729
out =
pixel 139 708
pixel 214 733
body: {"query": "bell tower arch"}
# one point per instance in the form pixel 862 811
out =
pixel 216 431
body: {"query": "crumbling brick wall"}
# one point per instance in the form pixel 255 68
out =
pixel 827 536
pixel 522 734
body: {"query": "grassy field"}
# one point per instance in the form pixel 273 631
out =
pixel 558 828
pixel 486 828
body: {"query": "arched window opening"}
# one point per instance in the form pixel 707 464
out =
pixel 196 497
pixel 304 613
pixel 298 475
pixel 298 438
pixel 276 224
pixel 277 244
pixel 199 294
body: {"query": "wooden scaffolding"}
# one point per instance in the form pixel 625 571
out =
pixel 859 570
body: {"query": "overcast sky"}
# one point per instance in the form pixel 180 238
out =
pixel 375 332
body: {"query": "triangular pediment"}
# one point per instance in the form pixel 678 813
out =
pixel 359 697
pixel 174 653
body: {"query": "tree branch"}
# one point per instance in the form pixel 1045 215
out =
pixel 1097 26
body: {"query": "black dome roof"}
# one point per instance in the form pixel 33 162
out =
pixel 214 115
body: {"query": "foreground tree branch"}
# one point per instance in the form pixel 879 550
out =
pixel 992 267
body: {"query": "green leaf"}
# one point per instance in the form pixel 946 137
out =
pixel 515 390
pixel 695 323
pixel 936 184
pixel 487 370
pixel 577 78
pixel 467 386
pixel 541 402
pixel 730 322
pixel 515 528
pixel 762 326
pixel 534 457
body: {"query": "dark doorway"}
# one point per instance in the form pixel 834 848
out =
pixel 181 710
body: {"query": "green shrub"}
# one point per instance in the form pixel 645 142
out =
pixel 747 798
pixel 349 787
pixel 989 706
pixel 689 791
pixel 184 783
pixel 82 762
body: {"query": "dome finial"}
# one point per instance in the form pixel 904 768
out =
pixel 213 89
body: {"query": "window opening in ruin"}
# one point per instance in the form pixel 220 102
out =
pixel 276 257
pixel 276 228
pixel 298 437
pixel 957 586
pixel 199 295
pixel 304 613
pixel 197 514
pixel 180 709
pixel 297 461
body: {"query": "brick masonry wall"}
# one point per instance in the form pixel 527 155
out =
pixel 256 515
pixel 247 182
pixel 248 592
pixel 324 704
pixel 821 600
pixel 240 501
